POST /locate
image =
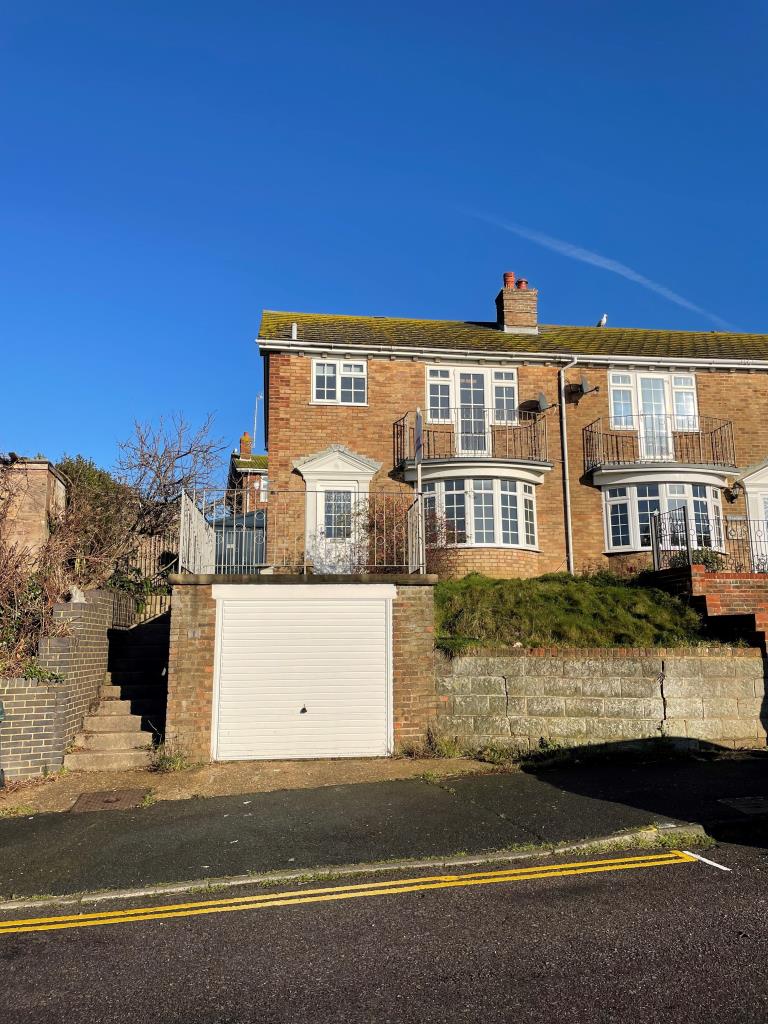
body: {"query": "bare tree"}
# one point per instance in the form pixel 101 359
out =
pixel 160 461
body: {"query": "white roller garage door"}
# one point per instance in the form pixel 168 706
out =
pixel 302 671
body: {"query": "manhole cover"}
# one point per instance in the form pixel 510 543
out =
pixel 747 804
pixel 109 800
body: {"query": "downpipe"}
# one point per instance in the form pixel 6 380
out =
pixel 566 469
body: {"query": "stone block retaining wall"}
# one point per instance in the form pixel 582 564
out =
pixel 576 697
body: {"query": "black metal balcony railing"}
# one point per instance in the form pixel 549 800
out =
pixel 720 544
pixel 474 432
pixel 692 440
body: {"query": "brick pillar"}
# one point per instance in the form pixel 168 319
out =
pixel 413 662
pixel 190 670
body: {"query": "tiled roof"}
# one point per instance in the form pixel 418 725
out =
pixel 459 335
pixel 252 462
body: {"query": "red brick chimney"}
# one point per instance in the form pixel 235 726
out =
pixel 516 306
pixel 245 445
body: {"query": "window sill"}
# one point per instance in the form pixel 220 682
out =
pixel 488 547
pixel 338 405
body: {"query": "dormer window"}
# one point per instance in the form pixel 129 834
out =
pixel 339 382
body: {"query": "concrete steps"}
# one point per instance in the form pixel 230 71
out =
pixel 106 760
pixel 112 737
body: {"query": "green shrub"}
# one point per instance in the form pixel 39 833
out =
pixel 559 610
pixel 711 560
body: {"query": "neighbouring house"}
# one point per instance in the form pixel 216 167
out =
pixel 545 447
pixel 248 473
pixel 37 494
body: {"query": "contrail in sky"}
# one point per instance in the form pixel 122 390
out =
pixel 575 252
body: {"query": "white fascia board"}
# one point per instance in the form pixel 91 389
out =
pixel 673 473
pixel 303 591
pixel 453 469
pixel 488 356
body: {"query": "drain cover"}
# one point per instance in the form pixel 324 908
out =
pixel 747 804
pixel 109 800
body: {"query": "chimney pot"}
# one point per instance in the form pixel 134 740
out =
pixel 245 445
pixel 509 279
pixel 522 285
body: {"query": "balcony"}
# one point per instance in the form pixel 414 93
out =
pixel 474 433
pixel 656 438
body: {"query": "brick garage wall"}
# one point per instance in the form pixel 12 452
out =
pixel 605 696
pixel 191 663
pixel 41 717
pixel 32 739
pixel 190 669
pixel 413 663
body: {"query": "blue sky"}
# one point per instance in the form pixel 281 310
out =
pixel 169 169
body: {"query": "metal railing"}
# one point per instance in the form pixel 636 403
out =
pixel 731 544
pixel 473 432
pixel 321 532
pixel 693 440
pixel 139 582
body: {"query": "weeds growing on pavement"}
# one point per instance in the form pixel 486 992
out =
pixel 166 757
pixel 17 811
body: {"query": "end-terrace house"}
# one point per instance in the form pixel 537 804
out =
pixel 545 447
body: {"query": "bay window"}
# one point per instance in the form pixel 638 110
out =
pixel 629 512
pixel 480 512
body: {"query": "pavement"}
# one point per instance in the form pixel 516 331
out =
pixel 58 854
pixel 663 941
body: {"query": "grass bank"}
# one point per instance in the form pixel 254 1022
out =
pixel 559 610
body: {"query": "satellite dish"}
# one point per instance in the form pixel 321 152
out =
pixel 543 403
pixel 584 384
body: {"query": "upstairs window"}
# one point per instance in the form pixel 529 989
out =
pixel 684 400
pixel 439 395
pixel 339 382
pixel 621 401
pixel 505 396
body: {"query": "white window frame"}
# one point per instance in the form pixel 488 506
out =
pixel 339 363
pixel 526 500
pixel 616 421
pixel 450 375
pixel 667 502
pixel 671 390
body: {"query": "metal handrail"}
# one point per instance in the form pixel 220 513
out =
pixel 652 437
pixel 473 431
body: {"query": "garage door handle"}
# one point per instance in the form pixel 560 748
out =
pixel 303 710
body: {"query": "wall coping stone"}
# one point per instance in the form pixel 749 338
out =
pixel 206 579
pixel 610 652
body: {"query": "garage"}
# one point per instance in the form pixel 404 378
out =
pixel 302 671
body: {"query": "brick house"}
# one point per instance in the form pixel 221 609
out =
pixel 248 473
pixel 545 447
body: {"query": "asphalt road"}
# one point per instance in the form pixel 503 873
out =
pixel 675 943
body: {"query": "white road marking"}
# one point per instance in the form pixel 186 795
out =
pixel 704 860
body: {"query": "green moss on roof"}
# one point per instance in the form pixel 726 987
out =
pixel 252 462
pixel 458 335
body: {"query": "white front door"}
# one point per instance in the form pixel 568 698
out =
pixel 757 527
pixel 655 422
pixel 302 671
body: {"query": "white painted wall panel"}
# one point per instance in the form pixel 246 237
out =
pixel 327 653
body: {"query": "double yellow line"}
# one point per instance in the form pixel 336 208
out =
pixel 342 892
